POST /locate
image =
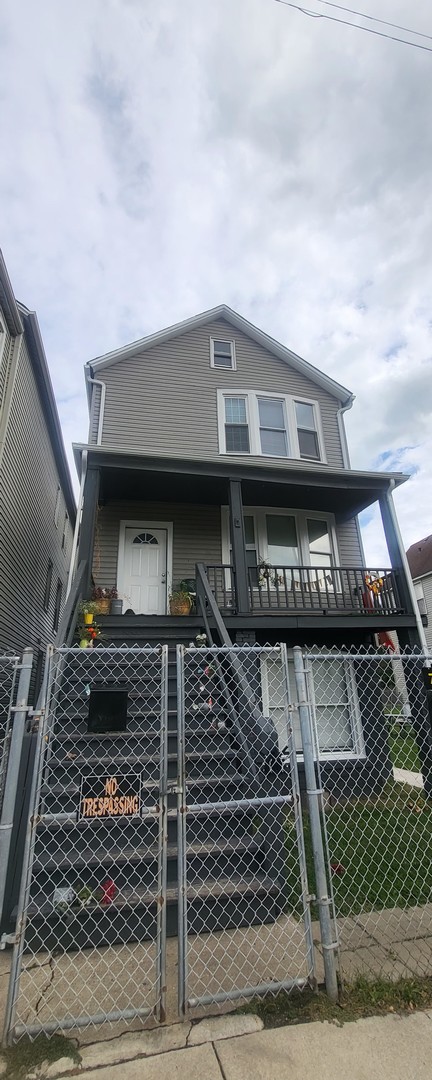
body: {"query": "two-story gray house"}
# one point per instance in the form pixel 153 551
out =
pixel 217 457
pixel 37 505
pixel 210 443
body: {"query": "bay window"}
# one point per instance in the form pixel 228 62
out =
pixel 269 425
pixel 288 538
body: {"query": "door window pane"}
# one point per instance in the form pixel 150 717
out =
pixel 272 427
pixel 249 527
pixel 282 540
pixel 319 543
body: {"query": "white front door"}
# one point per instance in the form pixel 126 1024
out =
pixel 145 570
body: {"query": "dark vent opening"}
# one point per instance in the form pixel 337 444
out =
pixel 107 710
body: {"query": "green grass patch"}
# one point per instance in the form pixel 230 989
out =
pixel 25 1055
pixel 363 997
pixel 380 850
pixel 403 748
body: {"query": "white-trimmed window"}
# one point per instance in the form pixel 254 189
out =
pixel 274 425
pixel 2 336
pixel 236 426
pixel 333 691
pixel 57 506
pixel 307 430
pixel 222 354
pixel 283 537
pixel 419 591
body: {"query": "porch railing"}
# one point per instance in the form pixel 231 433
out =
pixel 222 583
pixel 349 590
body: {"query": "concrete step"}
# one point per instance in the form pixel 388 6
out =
pixel 212 905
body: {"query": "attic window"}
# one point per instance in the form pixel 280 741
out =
pixel 222 354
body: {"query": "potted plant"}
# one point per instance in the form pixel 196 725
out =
pixel 87 610
pixel 102 596
pixel 87 633
pixel 180 602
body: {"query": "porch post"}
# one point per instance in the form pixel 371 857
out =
pixel 399 563
pixel 238 544
pixel 88 525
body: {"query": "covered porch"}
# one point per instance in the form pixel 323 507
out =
pixel 275 542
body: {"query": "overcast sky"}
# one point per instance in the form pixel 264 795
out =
pixel 161 158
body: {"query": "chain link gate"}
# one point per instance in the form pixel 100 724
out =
pixel 373 748
pixel 91 928
pixel 244 918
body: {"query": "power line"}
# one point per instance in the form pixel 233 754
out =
pixel 373 18
pixel 356 26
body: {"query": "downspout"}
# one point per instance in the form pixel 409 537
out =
pixel 342 432
pixel 98 382
pixel 405 567
pixel 77 523
pixel 93 382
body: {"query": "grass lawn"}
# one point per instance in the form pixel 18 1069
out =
pixel 363 997
pixel 403 747
pixel 381 849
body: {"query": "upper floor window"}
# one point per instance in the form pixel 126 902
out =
pixel 269 425
pixel 57 605
pixel 421 600
pixel 48 581
pixel 222 354
pixel 236 425
pixel 65 525
pixel 57 505
pixel 307 434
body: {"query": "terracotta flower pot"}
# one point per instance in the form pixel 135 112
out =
pixel 180 607
pixel 102 606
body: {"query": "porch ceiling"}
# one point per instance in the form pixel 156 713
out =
pixel 342 492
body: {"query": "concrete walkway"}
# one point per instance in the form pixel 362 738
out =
pixel 404 776
pixel 388 1047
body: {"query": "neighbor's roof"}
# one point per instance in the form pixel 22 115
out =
pixel 238 322
pixel 419 557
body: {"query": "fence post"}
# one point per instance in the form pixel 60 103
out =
pixel 19 713
pixel 314 795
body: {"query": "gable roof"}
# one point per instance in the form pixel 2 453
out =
pixel 419 557
pixel 238 322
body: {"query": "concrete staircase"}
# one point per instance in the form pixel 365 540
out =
pixel 230 879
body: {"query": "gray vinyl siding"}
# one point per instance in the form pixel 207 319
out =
pixel 28 537
pixel 94 414
pixel 196 536
pixel 164 401
pixel 350 553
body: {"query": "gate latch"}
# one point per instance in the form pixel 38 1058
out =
pixel 172 788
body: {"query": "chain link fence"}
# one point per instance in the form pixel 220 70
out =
pixel 244 922
pixel 373 748
pixel 91 922
pixel 8 682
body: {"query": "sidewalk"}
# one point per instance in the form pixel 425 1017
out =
pixel 388 1047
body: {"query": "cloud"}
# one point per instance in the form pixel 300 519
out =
pixel 165 158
